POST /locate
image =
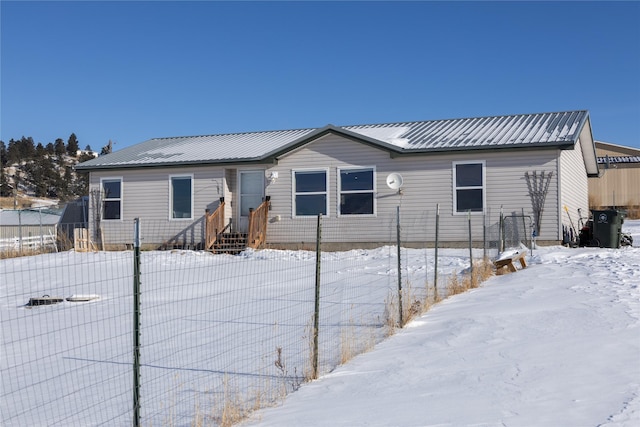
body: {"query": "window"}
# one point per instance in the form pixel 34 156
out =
pixel 310 192
pixel 181 197
pixel 111 198
pixel 468 187
pixel 357 191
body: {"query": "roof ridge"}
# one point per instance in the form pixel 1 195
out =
pixel 470 118
pixel 369 124
pixel 232 133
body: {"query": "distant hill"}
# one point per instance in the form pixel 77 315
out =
pixel 33 171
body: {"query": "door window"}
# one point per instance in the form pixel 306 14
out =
pixel 251 191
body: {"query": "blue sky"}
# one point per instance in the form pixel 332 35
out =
pixel 129 71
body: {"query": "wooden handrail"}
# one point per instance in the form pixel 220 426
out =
pixel 214 225
pixel 258 225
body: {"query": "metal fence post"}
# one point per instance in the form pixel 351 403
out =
pixel 316 312
pixel 20 232
pixel 501 232
pixel 399 267
pixel 470 246
pixel 484 235
pixel 524 229
pixel 136 323
pixel 40 229
pixel 435 268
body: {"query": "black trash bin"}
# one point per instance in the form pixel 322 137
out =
pixel 607 228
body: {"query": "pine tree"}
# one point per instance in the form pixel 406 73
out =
pixel 13 152
pixel 65 191
pixel 17 182
pixel 5 187
pixel 81 186
pixel 35 178
pixel 26 148
pixel 40 151
pixel 72 145
pixel 4 158
pixel 60 147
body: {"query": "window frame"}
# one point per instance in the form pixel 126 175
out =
pixel 105 199
pixel 294 193
pixel 482 187
pixel 171 198
pixel 373 191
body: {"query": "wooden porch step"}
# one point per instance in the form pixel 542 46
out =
pixel 230 243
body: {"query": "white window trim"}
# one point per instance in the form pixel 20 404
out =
pixel 104 199
pixel 294 193
pixel 182 175
pixel 483 187
pixel 374 191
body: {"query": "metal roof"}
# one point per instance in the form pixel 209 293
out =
pixel 523 130
pixel 618 159
pixel 10 217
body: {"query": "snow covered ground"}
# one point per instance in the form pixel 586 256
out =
pixel 556 344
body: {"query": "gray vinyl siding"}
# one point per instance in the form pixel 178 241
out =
pixel 428 181
pixel 507 187
pixel 145 195
pixel 574 187
pixel 330 152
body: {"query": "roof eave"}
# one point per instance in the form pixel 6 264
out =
pixel 588 146
pixel 174 164
pixel 560 145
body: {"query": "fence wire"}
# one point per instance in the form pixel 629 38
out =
pixel 221 335
pixel 66 358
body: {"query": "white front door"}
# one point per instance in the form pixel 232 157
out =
pixel 251 185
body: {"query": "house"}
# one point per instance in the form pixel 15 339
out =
pixel 536 163
pixel 620 170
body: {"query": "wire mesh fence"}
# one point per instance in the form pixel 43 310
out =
pixel 220 335
pixel 65 361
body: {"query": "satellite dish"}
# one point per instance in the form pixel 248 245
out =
pixel 394 181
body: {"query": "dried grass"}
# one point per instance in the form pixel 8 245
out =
pixel 633 212
pixel 16 253
pixel 482 270
pixel 353 342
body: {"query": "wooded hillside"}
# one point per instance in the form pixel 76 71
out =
pixel 32 169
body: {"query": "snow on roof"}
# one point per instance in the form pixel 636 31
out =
pixel 391 135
